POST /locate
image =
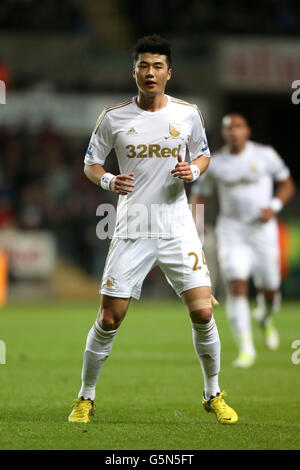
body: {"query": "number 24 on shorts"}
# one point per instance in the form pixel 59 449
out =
pixel 196 263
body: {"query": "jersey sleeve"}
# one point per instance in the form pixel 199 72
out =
pixel 101 141
pixel 276 166
pixel 197 143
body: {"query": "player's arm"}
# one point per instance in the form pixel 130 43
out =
pixel 190 173
pixel 94 173
pixel 284 191
pixel 202 163
pixel 118 184
pixel 198 150
pixel 285 187
pixel 99 147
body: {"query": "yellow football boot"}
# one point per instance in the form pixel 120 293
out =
pixel 218 406
pixel 82 410
pixel 244 360
pixel 271 336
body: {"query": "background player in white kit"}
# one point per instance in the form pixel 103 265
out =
pixel 150 134
pixel 243 173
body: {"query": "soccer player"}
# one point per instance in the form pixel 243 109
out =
pixel 154 226
pixel 243 173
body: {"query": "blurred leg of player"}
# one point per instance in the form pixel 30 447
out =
pixel 238 312
pixel 235 259
pixel 266 276
pixel 268 303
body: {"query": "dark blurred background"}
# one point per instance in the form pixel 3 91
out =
pixel 64 61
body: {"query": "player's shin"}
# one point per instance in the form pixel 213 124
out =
pixel 98 347
pixel 267 306
pixel 207 346
pixel 238 312
pixel 268 303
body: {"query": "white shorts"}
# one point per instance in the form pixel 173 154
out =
pixel 129 261
pixel 246 250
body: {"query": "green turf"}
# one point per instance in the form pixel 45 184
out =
pixel 149 393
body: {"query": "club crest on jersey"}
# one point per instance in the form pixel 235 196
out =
pixel 254 167
pixel 174 129
pixel 110 282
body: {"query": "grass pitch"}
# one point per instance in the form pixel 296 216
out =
pixel 149 391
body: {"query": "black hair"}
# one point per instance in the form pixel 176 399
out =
pixel 154 44
pixel 235 113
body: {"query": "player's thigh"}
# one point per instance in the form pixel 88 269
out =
pixel 183 262
pixel 128 263
pixel 234 256
pixel 266 269
pixel 266 256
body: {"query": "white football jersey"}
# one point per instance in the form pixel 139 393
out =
pixel 148 144
pixel 244 181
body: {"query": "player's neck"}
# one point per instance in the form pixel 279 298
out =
pixel 236 149
pixel 152 103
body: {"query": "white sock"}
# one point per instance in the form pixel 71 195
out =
pixel 268 309
pixel 238 312
pixel 98 347
pixel 207 346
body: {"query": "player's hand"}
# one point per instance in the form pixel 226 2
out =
pixel 266 215
pixel 214 301
pixel 182 170
pixel 120 185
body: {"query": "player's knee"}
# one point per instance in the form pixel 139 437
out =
pixel 108 319
pixel 270 296
pixel 202 315
pixel 238 287
pixel 108 323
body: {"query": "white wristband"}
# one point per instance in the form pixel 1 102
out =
pixel 196 172
pixel 276 204
pixel 105 181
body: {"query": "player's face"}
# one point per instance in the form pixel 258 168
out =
pixel 151 73
pixel 235 131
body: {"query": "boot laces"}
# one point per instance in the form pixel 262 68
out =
pixel 83 406
pixel 221 400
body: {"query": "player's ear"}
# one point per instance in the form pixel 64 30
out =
pixel 169 73
pixel 134 69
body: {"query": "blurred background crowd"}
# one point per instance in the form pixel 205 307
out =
pixel 63 61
